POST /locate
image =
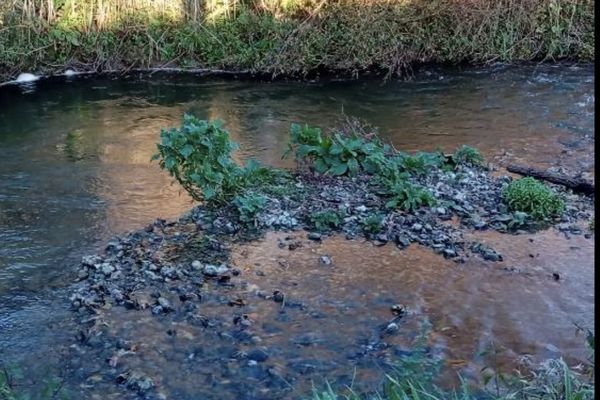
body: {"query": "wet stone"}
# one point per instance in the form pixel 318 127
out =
pixel 314 236
pixel 258 355
pixel 325 260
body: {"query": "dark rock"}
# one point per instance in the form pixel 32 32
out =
pixel 258 355
pixel 314 236
pixel 278 296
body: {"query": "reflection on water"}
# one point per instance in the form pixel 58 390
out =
pixel 75 167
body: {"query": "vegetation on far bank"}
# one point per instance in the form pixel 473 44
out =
pixel 289 37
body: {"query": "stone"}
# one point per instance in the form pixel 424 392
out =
pixel 107 269
pixel 258 355
pixel 325 260
pixel 314 236
pixel 197 265
pixel 213 270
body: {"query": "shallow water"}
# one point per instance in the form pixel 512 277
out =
pixel 75 170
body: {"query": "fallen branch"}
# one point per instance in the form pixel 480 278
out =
pixel 576 184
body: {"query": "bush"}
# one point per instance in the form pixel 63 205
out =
pixel 337 154
pixel 408 196
pixel 467 155
pixel 249 205
pixel 372 224
pixel 198 156
pixel 325 220
pixel 534 198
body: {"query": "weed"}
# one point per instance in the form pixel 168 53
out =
pixel 198 156
pixel 249 205
pixel 534 198
pixel 326 220
pixel 408 196
pixel 373 223
pixel 336 154
pixel 467 155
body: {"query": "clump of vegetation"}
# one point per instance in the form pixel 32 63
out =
pixel 419 163
pixel 533 197
pixel 326 220
pixel 467 155
pixel 249 205
pixel 372 224
pixel 408 196
pixel 198 156
pixel 336 154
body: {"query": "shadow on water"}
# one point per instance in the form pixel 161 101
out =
pixel 75 170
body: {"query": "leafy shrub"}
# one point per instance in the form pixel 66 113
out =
pixel 249 205
pixel 467 155
pixel 337 154
pixel 408 196
pixel 372 224
pixel 420 162
pixel 534 198
pixel 198 156
pixel 325 220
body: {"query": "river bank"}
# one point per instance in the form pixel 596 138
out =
pixel 345 38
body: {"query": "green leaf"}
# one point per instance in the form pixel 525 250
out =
pixel 338 170
pixel 320 166
pixel 186 150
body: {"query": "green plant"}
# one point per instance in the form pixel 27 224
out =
pixel 518 220
pixel 198 156
pixel 337 154
pixel 408 196
pixel 533 197
pixel 372 223
pixel 249 205
pixel 467 155
pixel 325 220
pixel 419 163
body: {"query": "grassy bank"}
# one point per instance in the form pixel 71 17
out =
pixel 289 37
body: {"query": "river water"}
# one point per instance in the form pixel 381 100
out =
pixel 75 170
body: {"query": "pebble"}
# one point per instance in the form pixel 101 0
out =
pixel 258 355
pixel 213 270
pixel 325 260
pixel 107 269
pixel 314 236
pixel 278 296
pixel 197 265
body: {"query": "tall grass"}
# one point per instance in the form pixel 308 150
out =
pixel 288 36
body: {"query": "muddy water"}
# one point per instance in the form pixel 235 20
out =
pixel 75 170
pixel 331 325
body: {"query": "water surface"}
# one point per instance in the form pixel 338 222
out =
pixel 75 169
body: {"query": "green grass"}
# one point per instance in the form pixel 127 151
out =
pixel 289 36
